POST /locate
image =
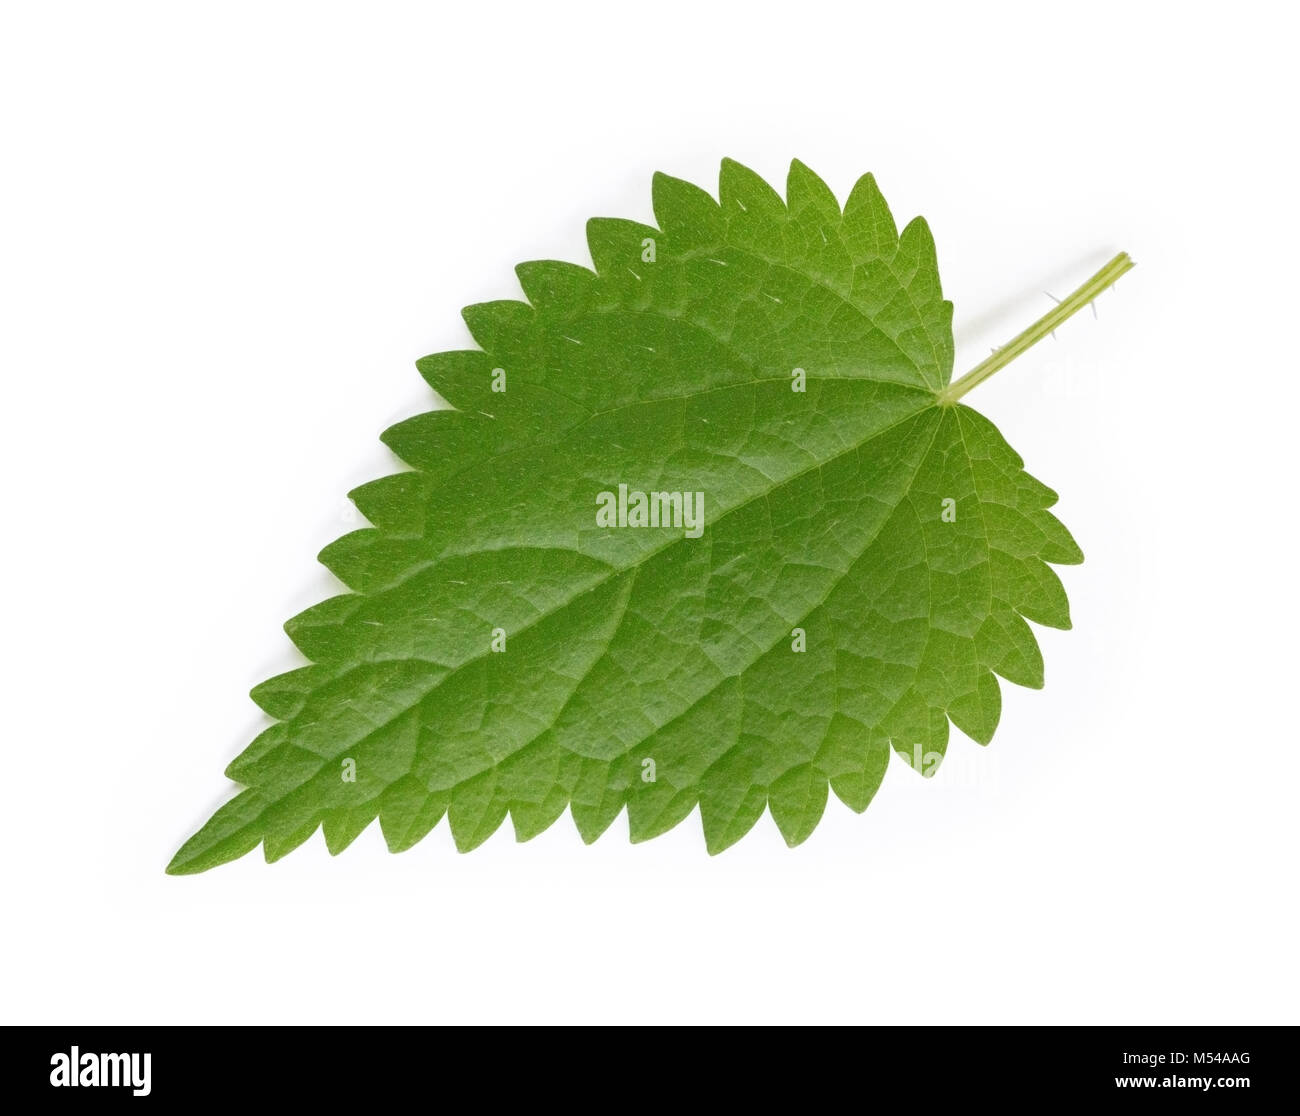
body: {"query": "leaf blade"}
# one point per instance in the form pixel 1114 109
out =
pixel 781 359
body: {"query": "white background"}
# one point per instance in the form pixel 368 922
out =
pixel 227 232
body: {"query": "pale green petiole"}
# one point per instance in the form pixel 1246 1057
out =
pixel 1070 305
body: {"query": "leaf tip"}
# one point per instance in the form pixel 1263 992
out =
pixel 178 867
pixel 188 861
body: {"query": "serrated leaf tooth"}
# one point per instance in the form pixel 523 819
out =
pixel 855 757
pixel 410 439
pixel 318 632
pixel 726 822
pixel 556 288
pixel 1060 546
pixel 797 801
pixel 746 195
pixel 283 695
pixel 654 808
pixel 285 826
pixel 396 504
pixel 275 770
pixel 856 789
pixel 368 561
pixel 1040 596
pixel 616 249
pixel 243 768
pixel 599 796
pixel 476 811
pixel 592 819
pixel 687 215
pixel 501 326
pixel 917 260
pixel 731 800
pixel 868 224
pixel 531 819
pixel 347 556
pixel 408 810
pixel 977 713
pixel 1007 645
pixel 536 782
pixel 918 732
pixel 805 190
pixel 463 377
pixel 1033 492
pixel 440 443
pixel 343 826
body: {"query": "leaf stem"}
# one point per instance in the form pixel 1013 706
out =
pixel 1069 306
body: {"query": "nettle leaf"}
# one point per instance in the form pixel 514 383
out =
pixel 838 558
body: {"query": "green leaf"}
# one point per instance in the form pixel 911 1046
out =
pixel 869 550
